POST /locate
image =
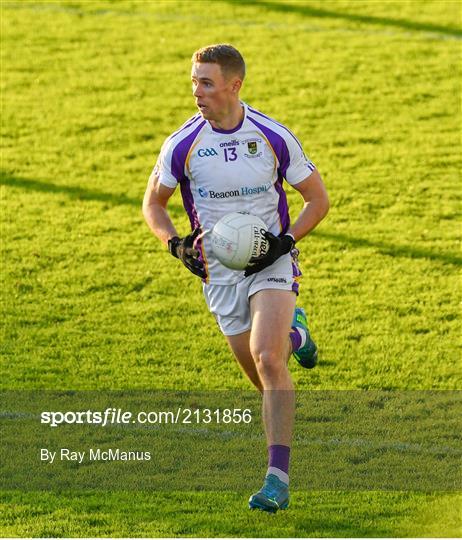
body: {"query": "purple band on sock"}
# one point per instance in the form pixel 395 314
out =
pixel 278 456
pixel 296 340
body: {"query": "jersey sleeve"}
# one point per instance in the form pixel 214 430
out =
pixel 163 166
pixel 298 166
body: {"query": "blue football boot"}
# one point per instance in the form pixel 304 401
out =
pixel 307 355
pixel 273 496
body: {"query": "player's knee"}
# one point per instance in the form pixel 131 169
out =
pixel 269 363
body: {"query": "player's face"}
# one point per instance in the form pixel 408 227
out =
pixel 214 94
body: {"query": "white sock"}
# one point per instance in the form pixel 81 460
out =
pixel 283 476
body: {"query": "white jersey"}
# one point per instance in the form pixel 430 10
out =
pixel 223 171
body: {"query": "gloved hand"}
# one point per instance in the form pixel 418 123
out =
pixel 183 249
pixel 278 245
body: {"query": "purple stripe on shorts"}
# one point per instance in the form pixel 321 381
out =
pixel 296 272
pixel 180 153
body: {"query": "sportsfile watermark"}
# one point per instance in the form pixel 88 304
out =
pixel 172 440
pixel 116 416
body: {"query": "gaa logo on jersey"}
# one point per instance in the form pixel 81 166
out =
pixel 207 152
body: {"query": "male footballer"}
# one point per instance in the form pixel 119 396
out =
pixel 214 157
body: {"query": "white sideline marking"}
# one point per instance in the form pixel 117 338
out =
pixel 227 434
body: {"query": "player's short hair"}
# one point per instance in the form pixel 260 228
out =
pixel 226 56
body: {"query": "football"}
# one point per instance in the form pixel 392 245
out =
pixel 237 237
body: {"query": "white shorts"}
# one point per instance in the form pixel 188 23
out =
pixel 230 303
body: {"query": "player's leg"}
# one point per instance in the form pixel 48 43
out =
pixel 272 313
pixel 301 346
pixel 240 345
pixel 230 307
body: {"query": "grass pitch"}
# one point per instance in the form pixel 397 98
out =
pixel 90 300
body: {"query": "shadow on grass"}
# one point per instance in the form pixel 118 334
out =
pixel 393 250
pixel 116 200
pixel 75 192
pixel 311 11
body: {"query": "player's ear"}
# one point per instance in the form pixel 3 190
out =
pixel 236 86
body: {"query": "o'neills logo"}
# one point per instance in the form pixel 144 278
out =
pixel 260 244
pixel 227 144
pixel 277 279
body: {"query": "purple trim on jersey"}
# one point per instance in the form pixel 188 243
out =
pixel 180 153
pixel 283 209
pixel 279 146
pixel 188 203
pixel 282 153
pixel 311 165
pixel 278 124
pixel 228 131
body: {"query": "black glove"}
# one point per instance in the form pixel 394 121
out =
pixel 183 249
pixel 278 245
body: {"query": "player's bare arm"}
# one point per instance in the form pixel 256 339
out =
pixel 155 212
pixel 315 208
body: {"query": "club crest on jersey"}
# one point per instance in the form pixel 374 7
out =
pixel 253 150
pixel 252 146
